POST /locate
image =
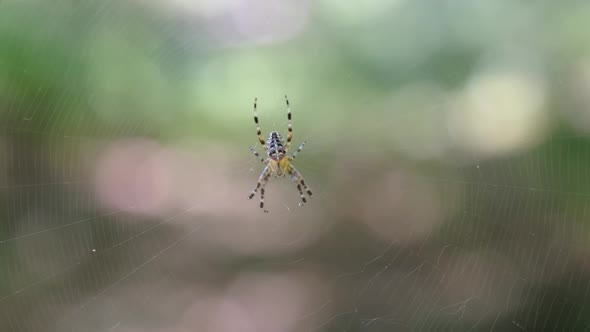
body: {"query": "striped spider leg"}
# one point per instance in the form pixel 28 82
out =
pixel 296 176
pixel 260 184
pixel 278 162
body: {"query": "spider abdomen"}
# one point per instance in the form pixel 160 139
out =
pixel 275 146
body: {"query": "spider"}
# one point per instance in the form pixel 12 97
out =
pixel 278 162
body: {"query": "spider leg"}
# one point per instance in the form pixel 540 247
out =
pixel 258 132
pixel 260 184
pixel 289 127
pixel 264 181
pixel 303 200
pixel 298 150
pixel 261 178
pixel 296 176
pixel 256 154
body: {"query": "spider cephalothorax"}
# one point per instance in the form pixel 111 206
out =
pixel 278 162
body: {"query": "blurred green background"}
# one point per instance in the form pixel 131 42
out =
pixel 447 146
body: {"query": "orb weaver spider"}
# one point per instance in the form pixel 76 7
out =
pixel 278 162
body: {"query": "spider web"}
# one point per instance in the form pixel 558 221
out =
pixel 123 199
